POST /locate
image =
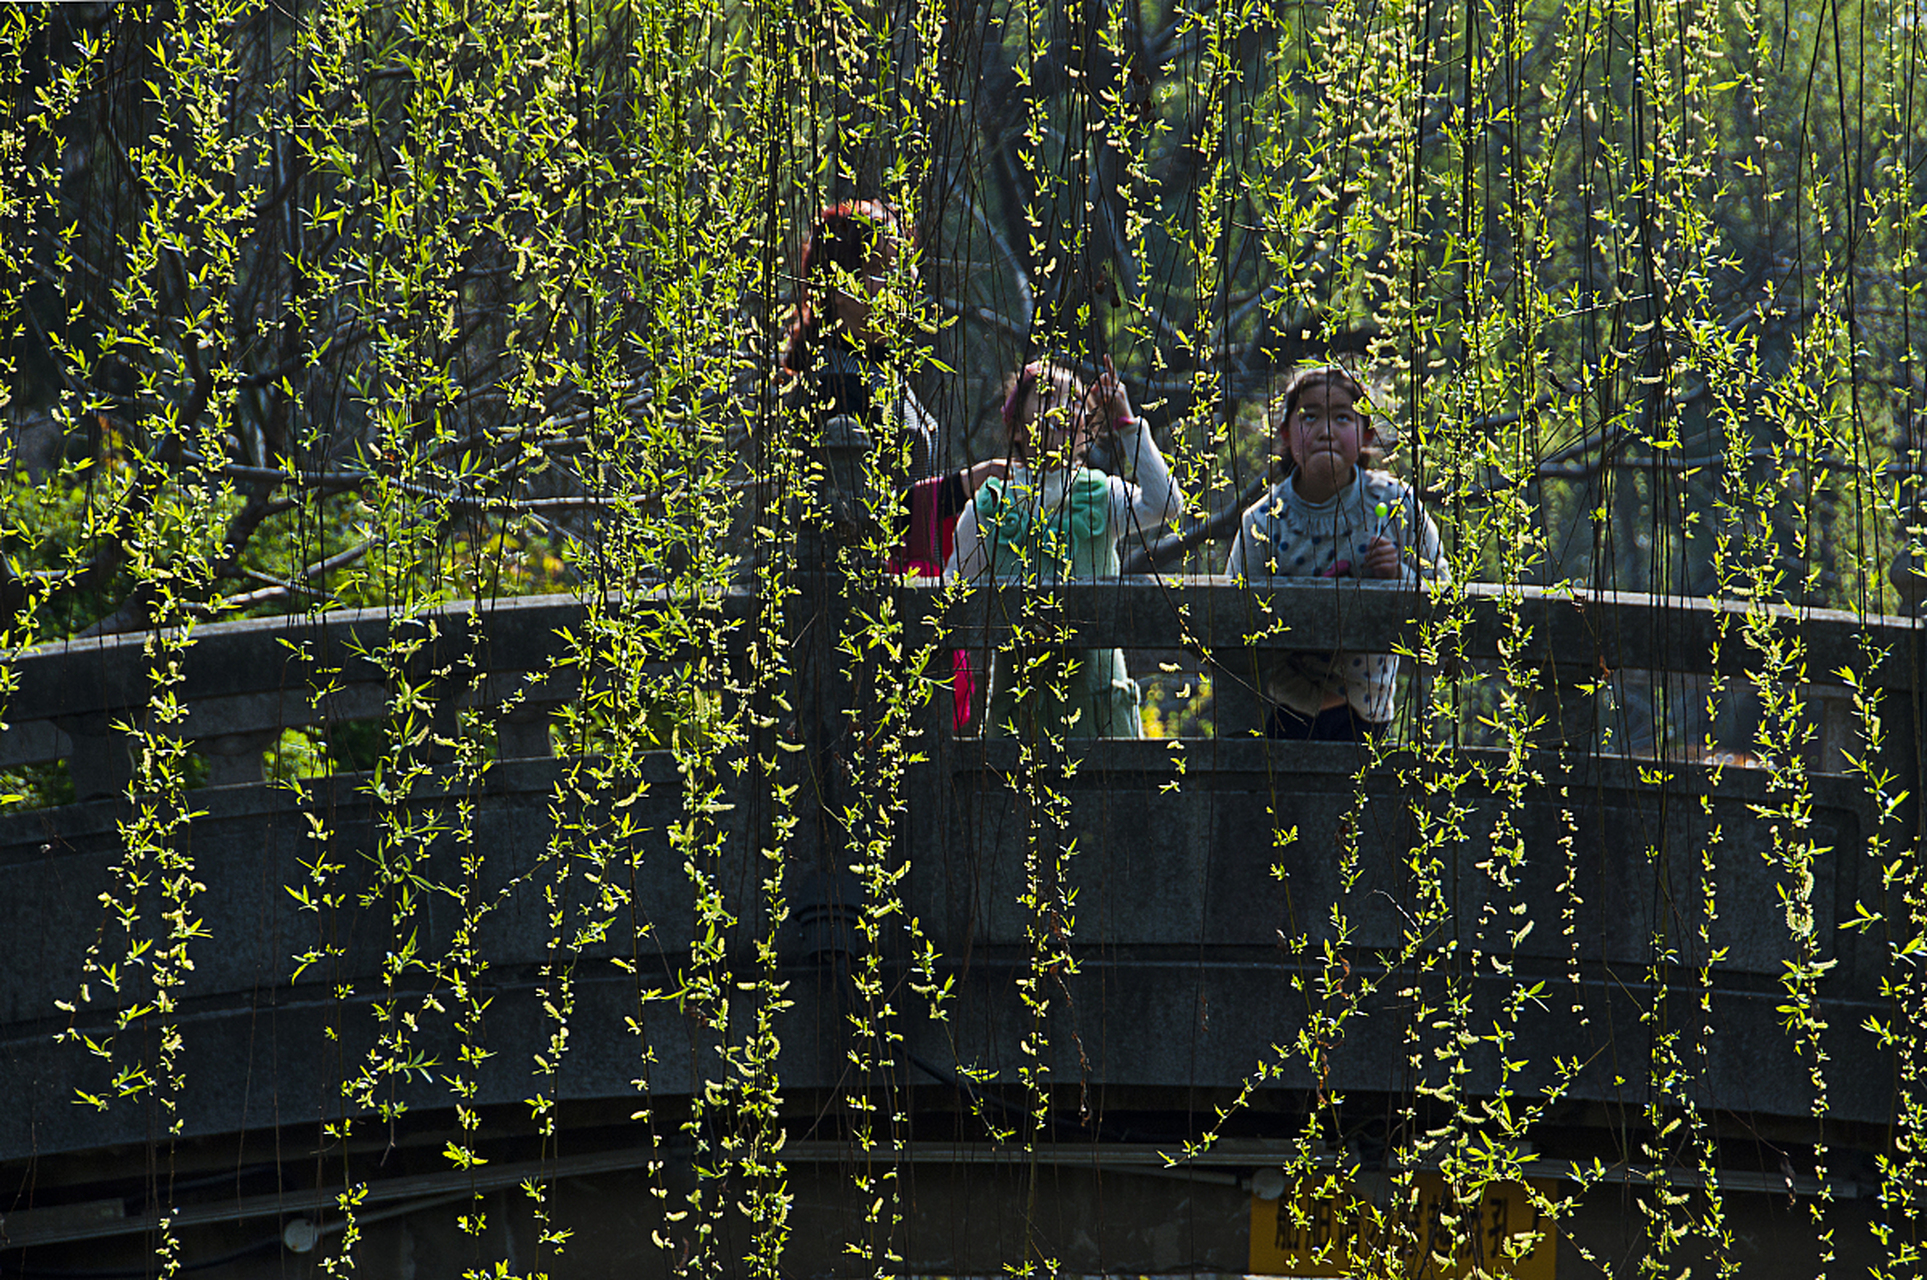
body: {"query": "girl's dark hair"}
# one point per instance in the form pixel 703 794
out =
pixel 843 236
pixel 1304 379
pixel 1016 390
pixel 1017 387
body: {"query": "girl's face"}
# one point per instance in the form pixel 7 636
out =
pixel 855 307
pixel 1324 435
pixel 1054 407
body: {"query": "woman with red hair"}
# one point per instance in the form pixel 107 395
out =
pixel 858 259
pixel 837 354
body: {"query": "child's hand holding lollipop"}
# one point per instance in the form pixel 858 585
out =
pixel 1381 557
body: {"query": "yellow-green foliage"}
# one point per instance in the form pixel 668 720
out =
pixel 357 305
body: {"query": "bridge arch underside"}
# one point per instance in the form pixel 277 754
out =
pixel 1339 949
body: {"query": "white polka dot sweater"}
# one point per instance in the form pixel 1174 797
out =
pixel 1281 535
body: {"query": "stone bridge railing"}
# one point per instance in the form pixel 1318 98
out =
pixel 1641 876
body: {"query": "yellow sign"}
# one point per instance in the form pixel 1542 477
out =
pixel 1337 1226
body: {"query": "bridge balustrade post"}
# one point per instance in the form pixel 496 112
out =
pixel 523 731
pixel 1836 728
pixel 1570 709
pixel 1903 714
pixel 823 696
pixel 1237 701
pixel 101 764
pixel 235 759
pixel 846 446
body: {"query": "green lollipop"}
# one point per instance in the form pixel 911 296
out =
pixel 1381 511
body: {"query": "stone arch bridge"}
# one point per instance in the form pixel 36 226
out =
pixel 1182 994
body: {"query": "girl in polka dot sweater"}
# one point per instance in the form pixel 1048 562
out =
pixel 1330 517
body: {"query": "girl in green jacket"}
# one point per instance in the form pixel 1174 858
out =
pixel 1052 520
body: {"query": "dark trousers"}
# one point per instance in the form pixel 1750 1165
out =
pixel 1334 724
